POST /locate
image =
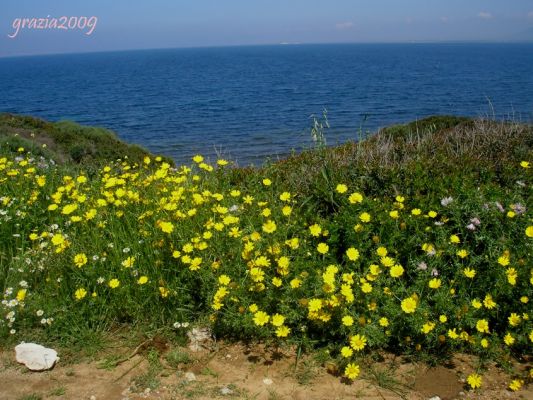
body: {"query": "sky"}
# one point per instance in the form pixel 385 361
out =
pixel 129 24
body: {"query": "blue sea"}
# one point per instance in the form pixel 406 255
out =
pixel 252 103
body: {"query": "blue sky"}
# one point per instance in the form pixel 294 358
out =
pixel 124 25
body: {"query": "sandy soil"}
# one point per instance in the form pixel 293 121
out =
pixel 240 372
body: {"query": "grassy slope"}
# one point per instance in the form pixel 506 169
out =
pixel 65 142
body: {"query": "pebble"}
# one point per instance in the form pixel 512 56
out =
pixel 434 398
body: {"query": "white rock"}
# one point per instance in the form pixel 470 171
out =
pixel 434 398
pixel 268 381
pixel 198 338
pixel 36 357
pixel 189 376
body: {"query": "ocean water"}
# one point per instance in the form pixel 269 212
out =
pixel 250 103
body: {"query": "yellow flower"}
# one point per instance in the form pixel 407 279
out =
pixel 253 308
pixel 278 320
pixel 504 260
pixel 529 231
pixel 509 339
pixel 198 158
pixel 322 248
pixel 443 319
pixel 416 211
pixel 346 352
pixel 295 283
pixel 462 253
pixel 482 326
pixel 352 253
pixel 80 260
pixel 341 188
pixel 114 283
pixel 351 371
pixel 261 318
pixel 432 214
pixel 409 305
pixel 269 226
pixel 366 287
pixel 267 182
pixel 394 214
pixel 283 331
pixel 21 294
pixel 474 380
pixel 315 230
pixel 314 305
pixel 166 227
pixel 355 198
pixel 224 280
pixel 358 342
pixel 69 209
pixel 515 385
pixel 514 319
pixel 382 251
pixel 396 271
pixel 525 164
pixel 469 272
pixel 455 239
pixel 347 320
pixel 80 293
pixel 484 343
pixel 384 322
pixel 489 302
pixel 428 327
pixel 128 262
pixel 142 280
pixel 434 283
pixel 365 217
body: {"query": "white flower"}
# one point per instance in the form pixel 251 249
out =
pixel 100 280
pixel 447 200
pixel 177 325
pixel 422 266
pixel 475 221
pixel 10 315
pixel 471 227
pixel 234 208
pixel 95 257
pixel 39 313
pixel 434 272
pixel 23 284
pixel 12 331
pixel 43 321
pixel 126 250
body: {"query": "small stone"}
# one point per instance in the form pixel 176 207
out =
pixel 225 391
pixel 189 376
pixel 35 357
pixel 268 381
pixel 92 398
pixel 461 393
pixel 434 398
pixel 147 391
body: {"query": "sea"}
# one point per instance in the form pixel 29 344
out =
pixel 251 104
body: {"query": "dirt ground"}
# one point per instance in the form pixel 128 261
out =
pixel 240 372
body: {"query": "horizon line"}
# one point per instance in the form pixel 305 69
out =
pixel 525 41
